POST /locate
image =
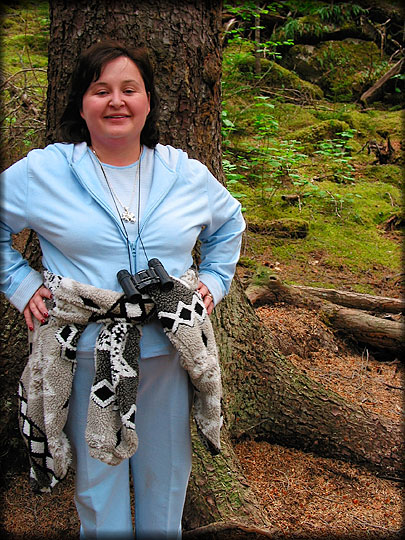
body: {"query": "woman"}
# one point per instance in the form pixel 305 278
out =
pixel 111 198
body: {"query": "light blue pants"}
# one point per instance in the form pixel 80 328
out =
pixel 160 467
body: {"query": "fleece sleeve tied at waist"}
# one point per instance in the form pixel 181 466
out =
pixel 46 382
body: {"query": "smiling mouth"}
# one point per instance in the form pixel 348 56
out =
pixel 117 116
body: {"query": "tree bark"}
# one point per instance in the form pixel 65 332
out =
pixel 381 334
pixel 14 353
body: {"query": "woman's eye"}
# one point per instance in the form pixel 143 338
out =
pixel 129 91
pixel 101 93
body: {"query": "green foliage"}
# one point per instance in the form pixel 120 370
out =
pixel 340 13
pixel 239 65
pixel 338 152
pixel 298 27
pixel 399 78
pixel 247 10
pixel 313 18
pixel 350 67
pixel 233 179
pixel 274 145
pixel 25 37
pixel 275 149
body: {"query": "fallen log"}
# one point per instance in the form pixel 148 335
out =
pixel 370 93
pixel 369 302
pixel 379 333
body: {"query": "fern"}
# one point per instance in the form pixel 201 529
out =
pixel 339 13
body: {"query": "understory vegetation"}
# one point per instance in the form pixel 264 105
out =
pixel 299 155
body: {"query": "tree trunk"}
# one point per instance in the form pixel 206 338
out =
pixel 277 403
pixel 14 354
pixel 280 404
pixel 183 38
pixel 381 334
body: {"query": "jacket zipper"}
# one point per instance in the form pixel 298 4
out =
pixel 99 201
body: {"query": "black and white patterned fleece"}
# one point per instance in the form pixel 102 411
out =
pixel 46 383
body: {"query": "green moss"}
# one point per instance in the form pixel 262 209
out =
pixel 289 228
pixel 25 36
pixel 387 174
pixel 262 276
pixel 328 129
pixel 355 238
pixel 363 288
pixel 36 43
pixel 292 117
pixel 357 248
pixel 369 125
pixel 349 67
pixel 247 262
pixel 275 76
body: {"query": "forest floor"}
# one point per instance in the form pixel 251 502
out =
pixel 316 497
pixel 304 495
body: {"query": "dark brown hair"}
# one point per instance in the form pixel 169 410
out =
pixel 72 127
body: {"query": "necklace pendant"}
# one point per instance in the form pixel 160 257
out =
pixel 128 216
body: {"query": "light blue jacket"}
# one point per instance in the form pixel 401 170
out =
pixel 56 192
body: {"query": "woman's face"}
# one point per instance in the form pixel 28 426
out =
pixel 116 105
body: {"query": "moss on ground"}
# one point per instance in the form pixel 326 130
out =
pixel 266 134
pixel 24 29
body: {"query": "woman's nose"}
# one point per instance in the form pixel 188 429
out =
pixel 116 99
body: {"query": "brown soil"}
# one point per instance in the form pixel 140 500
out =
pixel 305 495
pixel 318 497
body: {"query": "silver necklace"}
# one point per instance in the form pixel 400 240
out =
pixel 126 215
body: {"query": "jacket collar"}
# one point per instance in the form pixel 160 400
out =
pixel 167 162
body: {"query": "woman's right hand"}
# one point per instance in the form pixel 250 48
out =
pixel 36 307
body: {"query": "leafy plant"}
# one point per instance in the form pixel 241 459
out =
pixel 339 13
pixel 233 180
pixel 337 152
pixel 399 79
pixel 313 19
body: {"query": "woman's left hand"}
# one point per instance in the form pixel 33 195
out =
pixel 206 296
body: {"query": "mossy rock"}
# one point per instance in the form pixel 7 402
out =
pixel 275 76
pixel 351 66
pixel 247 262
pixel 328 129
pixel 362 123
pixel 280 228
pixel 343 69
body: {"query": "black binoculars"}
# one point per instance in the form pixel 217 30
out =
pixel 134 285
